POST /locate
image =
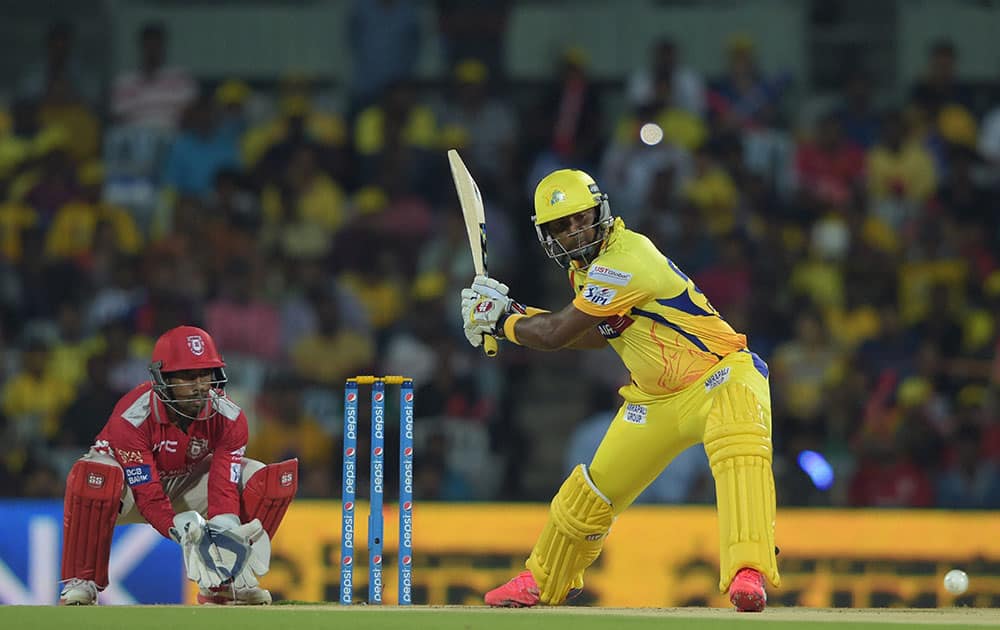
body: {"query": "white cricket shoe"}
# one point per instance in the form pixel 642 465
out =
pixel 226 595
pixel 79 592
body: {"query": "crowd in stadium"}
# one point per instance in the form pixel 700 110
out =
pixel 857 248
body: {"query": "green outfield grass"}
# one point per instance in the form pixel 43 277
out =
pixel 331 617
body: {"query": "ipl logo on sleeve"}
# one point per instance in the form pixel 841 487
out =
pixel 598 295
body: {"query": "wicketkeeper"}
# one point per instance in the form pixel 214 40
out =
pixel 171 455
pixel 693 381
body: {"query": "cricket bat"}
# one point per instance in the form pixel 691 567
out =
pixel 475 224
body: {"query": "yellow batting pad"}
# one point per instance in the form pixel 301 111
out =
pixel 579 520
pixel 738 444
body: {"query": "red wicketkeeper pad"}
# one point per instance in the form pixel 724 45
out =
pixel 268 494
pixel 93 496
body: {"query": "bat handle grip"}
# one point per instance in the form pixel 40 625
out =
pixel 490 345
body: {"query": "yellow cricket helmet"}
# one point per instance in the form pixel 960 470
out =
pixel 563 193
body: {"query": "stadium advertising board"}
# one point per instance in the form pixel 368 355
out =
pixel 145 567
pixel 657 556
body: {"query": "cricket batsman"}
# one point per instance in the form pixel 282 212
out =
pixel 171 455
pixel 693 380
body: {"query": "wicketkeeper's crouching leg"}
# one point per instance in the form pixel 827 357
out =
pixel 268 492
pixel 579 520
pixel 93 495
pixel 96 493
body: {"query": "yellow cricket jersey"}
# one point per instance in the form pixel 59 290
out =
pixel 664 328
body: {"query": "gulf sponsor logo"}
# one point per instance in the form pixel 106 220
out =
pixel 613 327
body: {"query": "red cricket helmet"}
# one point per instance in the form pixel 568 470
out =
pixel 185 348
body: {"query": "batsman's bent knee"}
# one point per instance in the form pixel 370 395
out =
pixel 738 445
pixel 579 520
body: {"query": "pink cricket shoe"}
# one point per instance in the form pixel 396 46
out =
pixel 747 591
pixel 520 592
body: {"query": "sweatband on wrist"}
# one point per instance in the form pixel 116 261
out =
pixel 508 327
pixel 531 310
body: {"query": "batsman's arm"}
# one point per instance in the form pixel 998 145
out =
pixel 568 328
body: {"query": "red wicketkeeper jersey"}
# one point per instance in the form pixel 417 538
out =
pixel 151 450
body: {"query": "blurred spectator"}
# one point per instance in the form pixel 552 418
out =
pixel 73 346
pixel 119 295
pixel 483 126
pixel 94 402
pixel 803 368
pixel 639 177
pixel 475 29
pixel 857 116
pixel 75 229
pixel 572 111
pixel 436 480
pixel 969 481
pixel 889 478
pixel 60 70
pixel 284 429
pixel 127 357
pixel 900 173
pixel 266 148
pixel 713 192
pixel 54 183
pixel 989 142
pixel 153 95
pixel 828 166
pixel 939 84
pixel 304 210
pixel 33 399
pixel 397 128
pixel 201 149
pixel 334 352
pixel 385 41
pixel 685 85
pixel 244 322
pixel 743 98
